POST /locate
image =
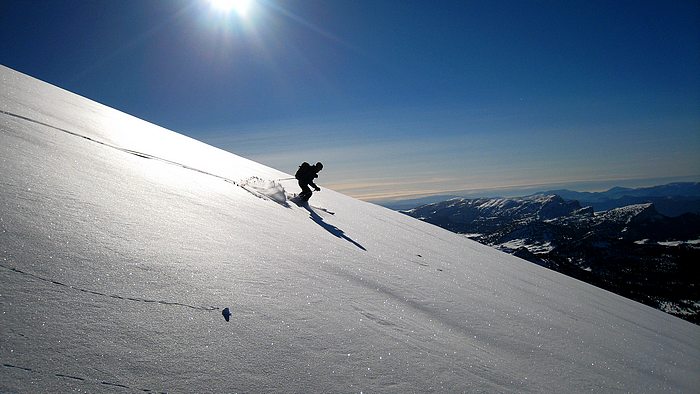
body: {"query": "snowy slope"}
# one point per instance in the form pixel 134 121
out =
pixel 121 243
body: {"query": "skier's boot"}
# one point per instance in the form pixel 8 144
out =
pixel 305 196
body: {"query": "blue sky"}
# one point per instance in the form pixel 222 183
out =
pixel 399 99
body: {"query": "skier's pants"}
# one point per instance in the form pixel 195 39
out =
pixel 305 190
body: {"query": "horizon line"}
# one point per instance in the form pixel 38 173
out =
pixel 509 190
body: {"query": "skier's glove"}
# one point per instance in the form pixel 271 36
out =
pixel 318 189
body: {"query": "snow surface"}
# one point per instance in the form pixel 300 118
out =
pixel 516 244
pixel 625 214
pixel 692 243
pixel 121 243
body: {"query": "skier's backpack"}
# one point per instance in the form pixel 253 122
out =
pixel 304 167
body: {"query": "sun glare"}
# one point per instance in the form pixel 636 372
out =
pixel 241 7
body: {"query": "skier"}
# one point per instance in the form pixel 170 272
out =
pixel 305 175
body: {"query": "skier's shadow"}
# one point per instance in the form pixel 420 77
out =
pixel 329 227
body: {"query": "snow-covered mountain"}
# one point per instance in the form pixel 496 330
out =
pixel 493 213
pixel 121 243
pixel 633 250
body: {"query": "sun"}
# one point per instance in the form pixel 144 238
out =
pixel 241 7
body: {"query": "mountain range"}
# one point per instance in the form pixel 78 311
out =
pixel 632 250
pixel 673 199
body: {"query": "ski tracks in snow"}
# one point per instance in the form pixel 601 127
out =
pixel 114 296
pixel 245 184
pixel 270 190
pixel 76 379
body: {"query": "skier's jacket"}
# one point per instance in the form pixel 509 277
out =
pixel 306 174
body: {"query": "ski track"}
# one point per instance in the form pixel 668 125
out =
pixel 141 154
pixel 241 184
pixel 115 296
pixel 80 379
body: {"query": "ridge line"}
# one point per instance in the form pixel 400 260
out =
pixel 136 153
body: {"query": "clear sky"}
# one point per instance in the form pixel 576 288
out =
pixel 398 99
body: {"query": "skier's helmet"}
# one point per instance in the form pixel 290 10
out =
pixel 319 166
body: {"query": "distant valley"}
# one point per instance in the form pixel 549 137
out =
pixel 620 240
